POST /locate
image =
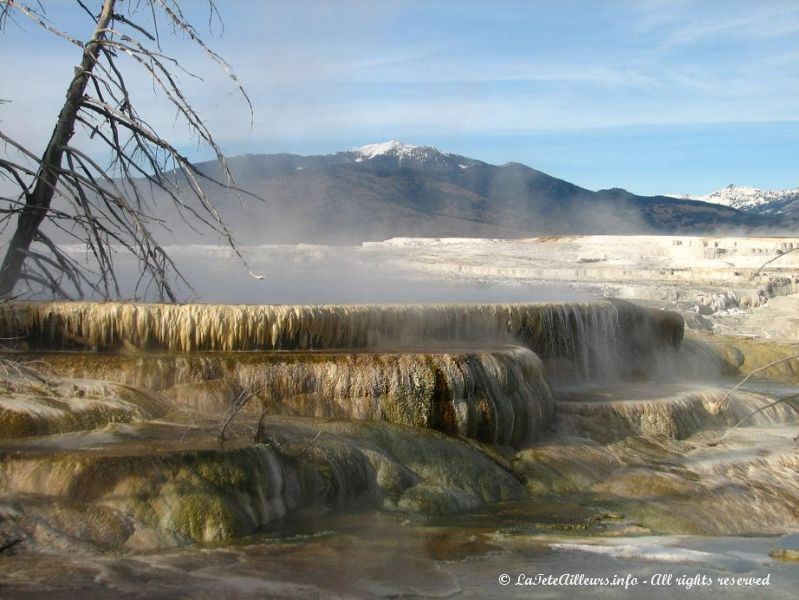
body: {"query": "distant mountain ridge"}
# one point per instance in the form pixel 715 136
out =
pixel 392 189
pixel 755 200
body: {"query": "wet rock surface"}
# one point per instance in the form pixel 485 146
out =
pixel 525 450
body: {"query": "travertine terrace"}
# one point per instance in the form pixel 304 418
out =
pixel 135 427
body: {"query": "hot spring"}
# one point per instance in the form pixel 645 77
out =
pixel 365 450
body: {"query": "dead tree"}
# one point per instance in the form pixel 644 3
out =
pixel 109 207
pixel 724 403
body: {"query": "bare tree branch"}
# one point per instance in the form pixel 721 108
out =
pixel 112 207
pixel 750 415
pixel 771 260
pixel 725 401
pixel 242 396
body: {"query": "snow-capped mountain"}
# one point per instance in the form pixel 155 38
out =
pixel 394 153
pixel 750 199
pixel 395 148
pixel 392 189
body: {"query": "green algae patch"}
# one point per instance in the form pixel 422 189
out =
pixel 173 496
pixel 214 496
pixel 203 518
pixel 222 476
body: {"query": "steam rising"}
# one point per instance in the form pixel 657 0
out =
pixel 589 340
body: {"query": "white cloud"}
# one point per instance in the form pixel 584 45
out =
pixel 314 73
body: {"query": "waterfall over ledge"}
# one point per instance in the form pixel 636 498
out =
pixel 588 340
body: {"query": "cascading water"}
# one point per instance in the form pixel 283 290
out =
pixel 431 409
pixel 587 340
pixel 499 396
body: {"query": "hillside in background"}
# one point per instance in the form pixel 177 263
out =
pixel 392 189
pixel 781 203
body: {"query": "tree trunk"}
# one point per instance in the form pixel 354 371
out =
pixel 37 202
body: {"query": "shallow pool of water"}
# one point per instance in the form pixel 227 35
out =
pixel 521 550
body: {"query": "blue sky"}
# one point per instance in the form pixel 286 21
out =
pixel 652 96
